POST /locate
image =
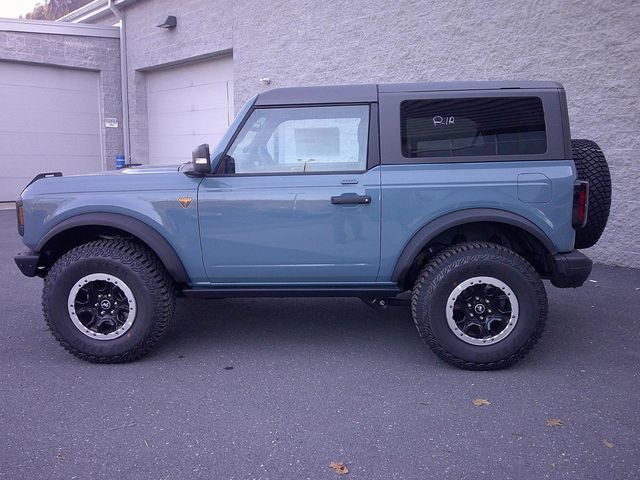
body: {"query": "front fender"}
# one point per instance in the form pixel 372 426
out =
pixel 134 227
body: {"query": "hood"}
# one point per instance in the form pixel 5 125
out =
pixel 128 179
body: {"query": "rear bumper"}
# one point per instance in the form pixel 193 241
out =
pixel 569 270
pixel 27 262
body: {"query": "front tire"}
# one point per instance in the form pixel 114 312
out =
pixel 108 301
pixel 479 306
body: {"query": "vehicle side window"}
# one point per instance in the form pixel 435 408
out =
pixel 301 140
pixel 472 127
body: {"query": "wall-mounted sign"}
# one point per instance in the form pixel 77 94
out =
pixel 111 122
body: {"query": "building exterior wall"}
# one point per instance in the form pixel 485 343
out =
pixel 82 52
pixel 204 30
pixel 590 46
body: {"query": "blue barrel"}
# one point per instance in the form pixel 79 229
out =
pixel 119 161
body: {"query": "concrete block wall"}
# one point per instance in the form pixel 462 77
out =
pixel 591 46
pixel 205 29
pixel 90 53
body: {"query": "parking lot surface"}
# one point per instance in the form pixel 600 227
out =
pixel 281 388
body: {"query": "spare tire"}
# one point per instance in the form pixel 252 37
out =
pixel 592 166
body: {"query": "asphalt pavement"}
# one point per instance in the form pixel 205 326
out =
pixel 281 388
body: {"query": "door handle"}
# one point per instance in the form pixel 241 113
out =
pixel 351 199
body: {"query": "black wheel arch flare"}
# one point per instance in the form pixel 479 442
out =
pixel 136 228
pixel 461 217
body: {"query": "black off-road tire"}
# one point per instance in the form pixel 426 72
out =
pixel 450 268
pixel 145 276
pixel 591 165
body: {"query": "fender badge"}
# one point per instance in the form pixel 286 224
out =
pixel 185 201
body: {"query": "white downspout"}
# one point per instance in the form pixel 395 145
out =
pixel 123 80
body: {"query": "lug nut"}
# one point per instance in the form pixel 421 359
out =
pixel 468 305
pixel 486 301
pixel 96 305
pixel 489 311
pixel 471 315
pixel 102 312
pixel 111 312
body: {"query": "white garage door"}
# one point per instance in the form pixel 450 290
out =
pixel 49 121
pixel 188 105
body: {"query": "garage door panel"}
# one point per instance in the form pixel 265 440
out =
pixel 187 105
pixel 197 122
pixel 45 123
pixel 40 76
pixel 28 167
pixel 20 170
pixel 174 147
pixel 38 99
pixel 200 97
pixel 45 144
pixel 50 121
pixel 190 74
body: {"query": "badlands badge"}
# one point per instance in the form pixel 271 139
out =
pixel 185 201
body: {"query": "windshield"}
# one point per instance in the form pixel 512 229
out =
pixel 226 138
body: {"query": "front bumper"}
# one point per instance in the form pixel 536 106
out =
pixel 569 270
pixel 27 262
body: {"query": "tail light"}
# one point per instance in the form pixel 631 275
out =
pixel 20 215
pixel 580 203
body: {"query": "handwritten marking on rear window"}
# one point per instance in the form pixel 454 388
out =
pixel 439 120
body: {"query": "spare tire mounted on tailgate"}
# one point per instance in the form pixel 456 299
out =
pixel 592 166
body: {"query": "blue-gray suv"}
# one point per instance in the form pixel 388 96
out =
pixel 461 196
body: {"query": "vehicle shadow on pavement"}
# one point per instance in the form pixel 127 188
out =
pixel 337 325
pixel 279 323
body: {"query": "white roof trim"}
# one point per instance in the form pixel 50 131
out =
pixel 92 11
pixel 55 28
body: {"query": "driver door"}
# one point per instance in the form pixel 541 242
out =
pixel 294 201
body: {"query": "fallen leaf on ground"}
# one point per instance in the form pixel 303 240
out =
pixel 339 467
pixel 607 443
pixel 553 422
pixel 59 456
pixel 480 402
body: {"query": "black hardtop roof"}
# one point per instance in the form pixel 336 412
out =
pixel 369 92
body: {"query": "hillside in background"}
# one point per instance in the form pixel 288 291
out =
pixel 54 9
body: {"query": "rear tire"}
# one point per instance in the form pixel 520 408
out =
pixel 479 306
pixel 592 166
pixel 108 301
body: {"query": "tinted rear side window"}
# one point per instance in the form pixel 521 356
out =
pixel 472 127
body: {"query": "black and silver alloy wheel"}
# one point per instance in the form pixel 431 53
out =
pixel 108 301
pixel 102 306
pixel 482 310
pixel 479 306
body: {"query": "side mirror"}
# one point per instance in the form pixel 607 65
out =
pixel 201 159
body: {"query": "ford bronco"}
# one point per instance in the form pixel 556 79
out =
pixel 462 195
